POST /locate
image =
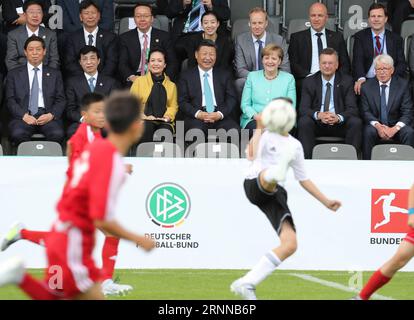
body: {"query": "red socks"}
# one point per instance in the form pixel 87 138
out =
pixel 34 236
pixel 109 255
pixel 36 289
pixel 376 281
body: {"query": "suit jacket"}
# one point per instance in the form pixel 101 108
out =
pixel 175 10
pixel 130 52
pixel 411 57
pixel 15 48
pixel 245 54
pixel 77 87
pixel 364 53
pixel 10 15
pixel 344 97
pixel 300 52
pixel 190 95
pixel 107 45
pixel 400 104
pixel 225 49
pixel 18 92
pixel 71 21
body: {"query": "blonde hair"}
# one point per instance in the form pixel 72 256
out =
pixel 271 47
pixel 258 10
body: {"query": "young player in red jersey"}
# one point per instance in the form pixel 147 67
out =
pixel 92 112
pixel 87 203
pixel 403 255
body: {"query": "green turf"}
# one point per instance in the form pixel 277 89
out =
pixel 186 284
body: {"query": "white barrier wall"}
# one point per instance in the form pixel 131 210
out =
pixel 222 229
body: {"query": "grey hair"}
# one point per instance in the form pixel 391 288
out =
pixel 384 58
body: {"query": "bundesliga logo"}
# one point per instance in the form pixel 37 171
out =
pixel 389 210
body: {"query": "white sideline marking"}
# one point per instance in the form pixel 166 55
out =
pixel 335 285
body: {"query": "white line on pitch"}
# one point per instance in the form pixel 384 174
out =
pixel 335 285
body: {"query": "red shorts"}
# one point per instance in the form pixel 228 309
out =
pixel 71 268
pixel 410 236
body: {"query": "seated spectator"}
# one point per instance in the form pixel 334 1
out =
pixel 206 94
pixel 263 86
pixel 187 14
pixel 158 94
pixel 90 34
pixel 187 45
pixel 387 107
pixel 328 106
pixel 13 14
pixel 35 97
pixel 249 45
pixel 72 22
pixel 137 43
pixel 16 39
pixel 375 41
pixel 306 46
pixel 399 10
pixel 91 80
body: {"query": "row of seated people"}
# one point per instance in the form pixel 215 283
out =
pixel 205 97
pixel 126 57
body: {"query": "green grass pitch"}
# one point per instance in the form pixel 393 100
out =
pixel 189 284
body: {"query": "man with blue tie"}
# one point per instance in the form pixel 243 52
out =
pixel 35 97
pixel 328 106
pixel 387 107
pixel 372 42
pixel 206 95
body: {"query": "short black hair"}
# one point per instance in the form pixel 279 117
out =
pixel 32 39
pixel 140 4
pixel 86 4
pixel 160 50
pixel 375 6
pixel 90 98
pixel 209 13
pixel 206 43
pixel 88 49
pixel 122 109
pixel 27 4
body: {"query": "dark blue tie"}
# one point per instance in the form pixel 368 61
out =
pixel 384 111
pixel 259 55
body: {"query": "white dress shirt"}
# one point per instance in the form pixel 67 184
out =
pixel 211 83
pixel 141 41
pixel 371 71
pixel 315 50
pixel 94 34
pixel 95 76
pixel 39 78
pixel 256 48
pixel 30 32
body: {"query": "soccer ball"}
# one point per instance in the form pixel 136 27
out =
pixel 279 116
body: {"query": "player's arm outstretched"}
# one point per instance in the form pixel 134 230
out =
pixel 310 187
pixel 251 149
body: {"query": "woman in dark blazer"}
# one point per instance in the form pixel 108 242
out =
pixel 186 46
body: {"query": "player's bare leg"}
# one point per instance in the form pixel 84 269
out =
pixel 94 293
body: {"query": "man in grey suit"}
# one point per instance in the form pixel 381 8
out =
pixel 16 39
pixel 248 47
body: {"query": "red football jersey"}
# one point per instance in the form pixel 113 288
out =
pixel 91 193
pixel 80 139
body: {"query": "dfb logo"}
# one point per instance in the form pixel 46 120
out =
pixel 389 210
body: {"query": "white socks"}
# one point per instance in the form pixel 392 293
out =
pixel 266 265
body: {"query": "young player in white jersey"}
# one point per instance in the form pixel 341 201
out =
pixel 271 152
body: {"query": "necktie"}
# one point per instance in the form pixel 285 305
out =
pixel 194 17
pixel 92 84
pixel 144 53
pixel 208 95
pixel 378 47
pixel 34 94
pixel 384 111
pixel 259 55
pixel 327 100
pixel 90 42
pixel 320 46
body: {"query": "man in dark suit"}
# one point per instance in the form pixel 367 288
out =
pixel 89 81
pixel 14 16
pixel 387 107
pixel 206 95
pixel 372 42
pixel 187 14
pixel 305 46
pixel 35 97
pixel 136 44
pixel 328 106
pixel 71 21
pixel 90 34
pixel 16 39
